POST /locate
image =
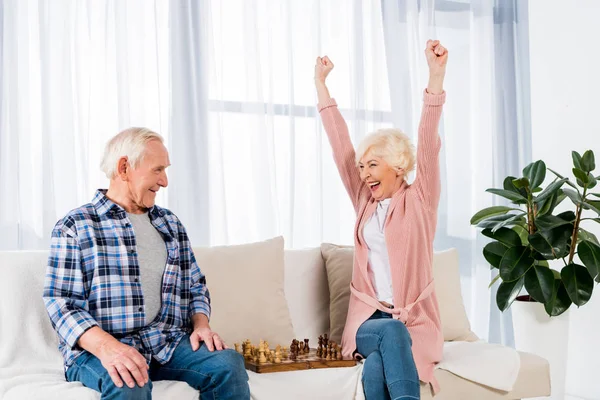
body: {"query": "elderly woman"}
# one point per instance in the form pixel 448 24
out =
pixel 393 305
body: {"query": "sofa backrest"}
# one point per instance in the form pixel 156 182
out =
pixel 26 335
pixel 24 321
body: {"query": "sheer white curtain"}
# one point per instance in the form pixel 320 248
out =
pixel 270 165
pixel 230 85
pixel 73 73
pixel 485 127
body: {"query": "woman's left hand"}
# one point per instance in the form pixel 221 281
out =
pixel 437 57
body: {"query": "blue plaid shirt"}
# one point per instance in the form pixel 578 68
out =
pixel 93 279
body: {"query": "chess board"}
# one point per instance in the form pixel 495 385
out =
pixel 304 361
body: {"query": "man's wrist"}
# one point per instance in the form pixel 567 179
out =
pixel 200 320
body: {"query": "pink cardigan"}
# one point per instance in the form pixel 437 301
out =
pixel 409 232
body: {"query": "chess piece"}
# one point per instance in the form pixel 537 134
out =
pixel 272 356
pixel 262 359
pixel 285 353
pixel 247 351
pixel 325 340
pixel 293 349
pixel 306 348
pixel 277 356
pixel 237 348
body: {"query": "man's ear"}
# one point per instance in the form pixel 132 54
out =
pixel 123 168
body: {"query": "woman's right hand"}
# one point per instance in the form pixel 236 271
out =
pixel 323 67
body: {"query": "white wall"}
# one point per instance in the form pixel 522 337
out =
pixel 565 107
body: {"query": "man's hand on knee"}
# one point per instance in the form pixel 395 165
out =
pixel 209 337
pixel 203 333
pixel 123 363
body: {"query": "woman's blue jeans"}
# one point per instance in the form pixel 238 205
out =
pixel 389 371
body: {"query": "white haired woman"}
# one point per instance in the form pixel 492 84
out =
pixel 393 306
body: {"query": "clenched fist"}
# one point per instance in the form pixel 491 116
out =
pixel 437 57
pixel 322 68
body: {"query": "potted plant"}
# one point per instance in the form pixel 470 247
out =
pixel 529 236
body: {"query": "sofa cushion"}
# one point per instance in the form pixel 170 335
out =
pixel 455 324
pixel 533 381
pixel 338 264
pixel 307 293
pixel 246 288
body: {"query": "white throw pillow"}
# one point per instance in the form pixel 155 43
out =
pixel 246 289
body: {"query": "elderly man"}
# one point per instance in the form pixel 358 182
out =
pixel 123 290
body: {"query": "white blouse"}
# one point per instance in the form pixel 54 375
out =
pixel 379 261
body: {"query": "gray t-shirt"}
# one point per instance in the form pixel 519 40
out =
pixel 152 257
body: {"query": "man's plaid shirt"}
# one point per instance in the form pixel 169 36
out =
pixel 93 279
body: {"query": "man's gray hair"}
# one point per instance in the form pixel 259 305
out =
pixel 130 143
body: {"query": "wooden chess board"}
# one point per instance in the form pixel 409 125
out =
pixel 305 361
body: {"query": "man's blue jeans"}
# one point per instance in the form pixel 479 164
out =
pixel 217 375
pixel 389 371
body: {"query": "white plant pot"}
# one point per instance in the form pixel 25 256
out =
pixel 537 333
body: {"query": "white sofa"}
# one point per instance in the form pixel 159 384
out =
pixel 31 365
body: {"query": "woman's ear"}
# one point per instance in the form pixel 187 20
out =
pixel 399 171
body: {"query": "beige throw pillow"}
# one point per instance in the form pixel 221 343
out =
pixel 246 289
pixel 455 324
pixel 338 264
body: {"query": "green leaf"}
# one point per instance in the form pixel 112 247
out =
pixel 515 263
pixel 590 237
pixel 523 234
pixel 548 205
pixel 568 182
pixel 537 189
pixel 581 176
pixel 546 222
pixel 552 243
pixel 521 183
pixel 494 281
pixel 587 161
pixel 595 194
pixel 508 184
pixel 515 220
pixel 592 181
pixel 497 221
pixel 573 195
pixel 544 263
pixel 567 216
pixel 578 282
pixel 516 197
pixel 535 173
pixel 504 235
pixel 508 292
pixel 493 253
pixel 592 205
pixel 490 212
pixel 560 301
pixel 576 159
pixel 539 282
pixel 589 253
pixel 550 190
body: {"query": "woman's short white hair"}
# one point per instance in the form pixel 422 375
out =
pixel 130 143
pixel 392 145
